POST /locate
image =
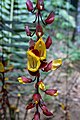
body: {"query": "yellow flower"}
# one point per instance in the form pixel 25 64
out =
pixel 20 80
pixel 33 63
pixel 56 64
pixel 41 85
pixel 1 67
pixel 41 47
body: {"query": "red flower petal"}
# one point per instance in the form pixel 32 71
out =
pixel 29 5
pixel 50 18
pixel 36 52
pixel 37 74
pixel 50 92
pixel 26 80
pixel 37 116
pixel 30 106
pixel 39 30
pixel 48 67
pixel 27 31
pixel 31 44
pixel 43 64
pixel 48 42
pixel 46 111
pixel 40 4
pixel 36 98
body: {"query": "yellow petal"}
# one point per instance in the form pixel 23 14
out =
pixel 42 86
pixel 19 95
pixel 56 64
pixel 33 63
pixel 6 78
pixel 20 80
pixel 1 67
pixel 56 94
pixel 41 47
pixel 62 106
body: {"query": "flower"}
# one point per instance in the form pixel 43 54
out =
pixel 36 97
pixel 37 116
pixel 50 18
pixel 27 31
pixel 48 42
pixel 1 67
pixel 4 68
pixel 45 110
pixel 39 30
pixel 40 4
pixel 41 85
pixel 36 56
pixel 24 80
pixel 51 92
pixel 30 106
pixel 33 63
pixel 53 65
pixel 29 5
pixel 41 47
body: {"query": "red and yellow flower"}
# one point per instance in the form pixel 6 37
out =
pixel 37 57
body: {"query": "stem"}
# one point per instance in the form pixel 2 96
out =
pixel 25 115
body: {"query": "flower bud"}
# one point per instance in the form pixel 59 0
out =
pixel 39 30
pixel 36 98
pixel 51 92
pixel 24 80
pixel 50 18
pixel 56 64
pixel 27 31
pixel 46 111
pixel 1 67
pixel 48 67
pixel 30 106
pixel 31 44
pixel 48 42
pixel 29 5
pixel 37 116
pixel 41 85
pixel 53 65
pixel 40 4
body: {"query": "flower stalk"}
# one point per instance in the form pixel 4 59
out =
pixel 36 59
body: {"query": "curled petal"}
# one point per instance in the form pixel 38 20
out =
pixel 30 106
pixel 29 5
pixel 40 4
pixel 41 85
pixel 37 116
pixel 36 98
pixel 50 18
pixel 48 42
pixel 24 80
pixel 46 111
pixel 33 63
pixel 51 92
pixel 40 46
pixel 27 31
pixel 39 30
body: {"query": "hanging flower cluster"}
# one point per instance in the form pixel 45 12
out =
pixel 4 101
pixel 36 59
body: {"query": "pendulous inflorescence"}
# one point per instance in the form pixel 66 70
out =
pixel 36 59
